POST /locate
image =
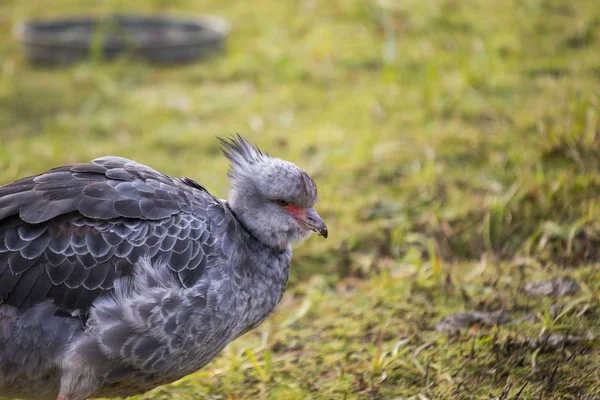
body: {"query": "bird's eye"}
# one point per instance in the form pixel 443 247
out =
pixel 282 203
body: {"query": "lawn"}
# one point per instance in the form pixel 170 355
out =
pixel 456 146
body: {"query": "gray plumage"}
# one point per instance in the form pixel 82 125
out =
pixel 115 278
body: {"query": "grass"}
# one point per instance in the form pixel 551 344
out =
pixel 455 145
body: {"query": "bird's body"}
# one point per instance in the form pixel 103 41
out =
pixel 115 278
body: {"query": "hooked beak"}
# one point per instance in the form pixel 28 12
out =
pixel 313 221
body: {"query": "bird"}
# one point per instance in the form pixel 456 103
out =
pixel 116 278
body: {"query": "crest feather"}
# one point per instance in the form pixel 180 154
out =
pixel 241 152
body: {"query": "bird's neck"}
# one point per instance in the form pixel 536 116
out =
pixel 266 262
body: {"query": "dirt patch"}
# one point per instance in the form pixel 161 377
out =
pixel 558 287
pixel 463 320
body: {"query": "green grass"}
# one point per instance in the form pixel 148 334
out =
pixel 456 147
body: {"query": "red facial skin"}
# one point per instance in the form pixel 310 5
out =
pixel 299 215
pixel 297 212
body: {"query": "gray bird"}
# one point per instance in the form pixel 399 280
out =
pixel 115 278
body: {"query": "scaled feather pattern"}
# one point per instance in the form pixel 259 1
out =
pixel 116 278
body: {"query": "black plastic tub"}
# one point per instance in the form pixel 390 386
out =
pixel 156 39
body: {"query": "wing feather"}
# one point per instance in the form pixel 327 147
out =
pixel 68 233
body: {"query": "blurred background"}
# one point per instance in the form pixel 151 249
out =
pixel 456 148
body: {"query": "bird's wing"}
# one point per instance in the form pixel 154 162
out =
pixel 68 233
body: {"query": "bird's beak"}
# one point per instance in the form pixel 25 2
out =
pixel 313 221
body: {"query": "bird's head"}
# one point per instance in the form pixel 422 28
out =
pixel 273 198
